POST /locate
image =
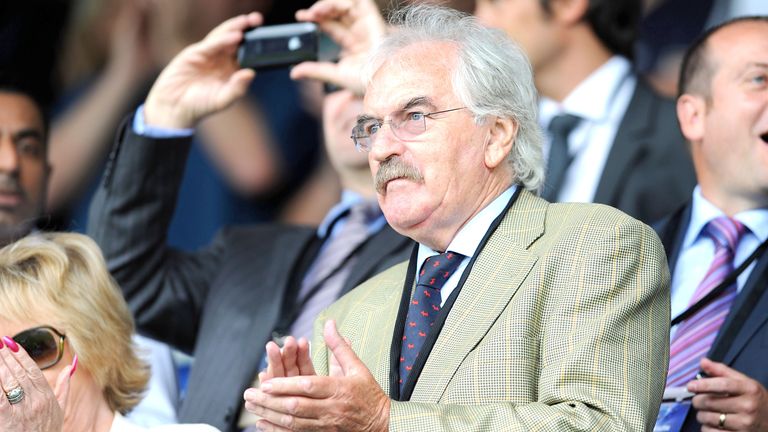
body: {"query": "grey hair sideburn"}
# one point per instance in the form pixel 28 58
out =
pixel 492 77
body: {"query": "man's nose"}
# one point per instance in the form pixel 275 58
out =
pixel 9 157
pixel 386 143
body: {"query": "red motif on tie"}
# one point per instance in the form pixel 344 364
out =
pixel 425 306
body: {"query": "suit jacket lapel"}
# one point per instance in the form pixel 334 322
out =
pixel 487 292
pixel 628 145
pixel 757 318
pixel 246 331
pixel 671 231
pixel 378 247
pixel 374 321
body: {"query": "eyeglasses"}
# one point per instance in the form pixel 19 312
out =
pixel 44 344
pixel 405 125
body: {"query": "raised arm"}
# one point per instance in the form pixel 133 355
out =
pixel 356 26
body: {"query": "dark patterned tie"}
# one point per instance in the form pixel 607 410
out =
pixel 694 337
pixel 560 128
pixel 424 307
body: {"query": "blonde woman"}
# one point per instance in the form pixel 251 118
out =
pixel 61 312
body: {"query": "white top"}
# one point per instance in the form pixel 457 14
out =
pixel 120 424
pixel 158 406
pixel 601 101
pixel 698 251
pixel 466 241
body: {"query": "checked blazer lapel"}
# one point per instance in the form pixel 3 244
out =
pixel 370 312
pixel 485 294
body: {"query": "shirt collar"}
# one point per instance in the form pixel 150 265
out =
pixel 592 98
pixel 703 211
pixel 348 199
pixel 470 235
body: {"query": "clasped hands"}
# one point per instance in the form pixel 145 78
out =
pixel 292 397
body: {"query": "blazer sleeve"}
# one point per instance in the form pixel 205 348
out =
pixel 129 217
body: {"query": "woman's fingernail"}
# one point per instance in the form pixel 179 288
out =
pixel 10 343
pixel 74 366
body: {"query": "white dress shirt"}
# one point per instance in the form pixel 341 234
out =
pixel 466 241
pixel 601 101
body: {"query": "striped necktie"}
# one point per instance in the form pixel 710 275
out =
pixel 332 266
pixel 695 335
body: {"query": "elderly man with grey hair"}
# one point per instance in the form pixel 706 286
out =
pixel 512 313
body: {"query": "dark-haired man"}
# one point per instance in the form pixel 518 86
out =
pixel 23 164
pixel 612 139
pixel 723 112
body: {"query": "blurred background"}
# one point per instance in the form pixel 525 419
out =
pixel 91 62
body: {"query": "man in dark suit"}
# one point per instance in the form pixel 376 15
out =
pixel 223 303
pixel 723 112
pixel 624 146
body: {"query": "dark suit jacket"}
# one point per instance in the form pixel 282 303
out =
pixel 749 349
pixel 220 303
pixel 648 173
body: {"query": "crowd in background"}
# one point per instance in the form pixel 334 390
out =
pixel 91 61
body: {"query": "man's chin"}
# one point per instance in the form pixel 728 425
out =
pixel 11 228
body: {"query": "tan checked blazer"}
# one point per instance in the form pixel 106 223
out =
pixel 562 325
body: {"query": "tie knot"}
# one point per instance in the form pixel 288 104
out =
pixel 725 232
pixel 563 124
pixel 364 212
pixel 437 269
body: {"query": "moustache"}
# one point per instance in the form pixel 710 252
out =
pixel 10 185
pixel 394 168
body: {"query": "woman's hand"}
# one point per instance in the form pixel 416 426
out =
pixel 37 407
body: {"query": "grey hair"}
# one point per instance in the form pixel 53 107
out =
pixel 492 76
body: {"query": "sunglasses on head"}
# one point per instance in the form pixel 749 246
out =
pixel 44 344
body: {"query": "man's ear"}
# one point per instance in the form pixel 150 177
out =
pixel 569 11
pixel 691 110
pixel 501 137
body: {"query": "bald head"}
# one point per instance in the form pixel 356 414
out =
pixel 701 60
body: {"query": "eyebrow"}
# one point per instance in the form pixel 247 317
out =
pixel 418 101
pixel 364 118
pixel 752 65
pixel 28 133
pixel 410 103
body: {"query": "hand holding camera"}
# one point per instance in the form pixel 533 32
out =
pixel 356 26
pixel 204 78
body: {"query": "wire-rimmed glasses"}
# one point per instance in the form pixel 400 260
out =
pixel 405 125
